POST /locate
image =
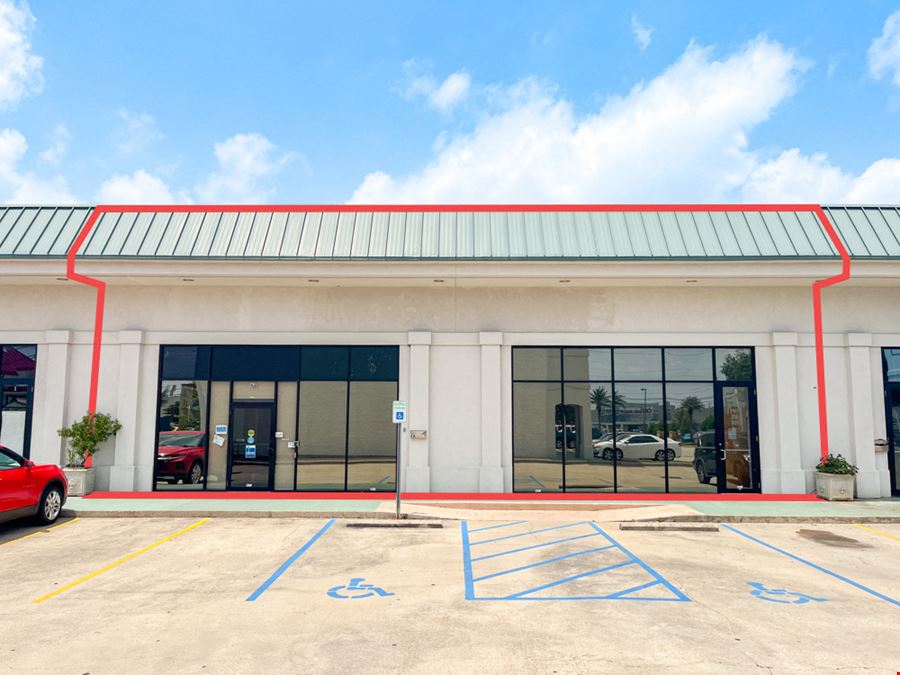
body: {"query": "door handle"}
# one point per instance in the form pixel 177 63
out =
pixel 724 455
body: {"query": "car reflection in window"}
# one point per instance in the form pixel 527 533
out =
pixel 180 457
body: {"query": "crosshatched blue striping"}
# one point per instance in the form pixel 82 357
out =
pixel 748 234
pixel 581 564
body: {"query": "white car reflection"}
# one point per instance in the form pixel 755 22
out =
pixel 637 446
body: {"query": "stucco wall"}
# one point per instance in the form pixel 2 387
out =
pixel 459 385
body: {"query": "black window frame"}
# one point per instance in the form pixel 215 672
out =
pixel 16 381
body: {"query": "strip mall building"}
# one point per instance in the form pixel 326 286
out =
pixel 578 349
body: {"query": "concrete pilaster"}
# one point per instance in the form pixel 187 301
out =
pixel 862 422
pixel 491 473
pixel 50 394
pixel 418 473
pixel 793 477
pixel 122 472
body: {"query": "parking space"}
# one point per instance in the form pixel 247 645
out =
pixel 197 595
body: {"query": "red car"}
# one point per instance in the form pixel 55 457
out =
pixel 180 456
pixel 29 489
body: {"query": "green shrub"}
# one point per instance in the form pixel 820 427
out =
pixel 837 464
pixel 85 436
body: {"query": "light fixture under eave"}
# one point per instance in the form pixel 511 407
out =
pixel 690 281
pixel 565 281
pixel 187 279
pixel 312 281
pixel 438 281
pixel 61 279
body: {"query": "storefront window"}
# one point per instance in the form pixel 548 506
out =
pixel 627 419
pixel 19 363
pixel 277 417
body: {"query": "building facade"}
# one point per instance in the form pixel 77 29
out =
pixel 548 349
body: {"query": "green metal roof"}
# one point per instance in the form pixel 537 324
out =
pixel 868 232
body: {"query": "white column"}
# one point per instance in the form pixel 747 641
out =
pixel 862 422
pixel 418 473
pixel 51 387
pixel 787 418
pixel 122 472
pixel 491 475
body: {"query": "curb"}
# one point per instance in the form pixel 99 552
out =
pixel 835 520
pixel 199 513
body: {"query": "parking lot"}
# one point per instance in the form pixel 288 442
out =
pixel 105 595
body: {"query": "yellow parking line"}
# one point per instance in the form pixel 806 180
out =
pixel 883 534
pixel 119 562
pixel 41 531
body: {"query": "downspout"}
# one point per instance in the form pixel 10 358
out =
pixel 98 312
pixel 817 322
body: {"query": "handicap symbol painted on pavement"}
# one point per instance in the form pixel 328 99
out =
pixel 356 590
pixel 782 596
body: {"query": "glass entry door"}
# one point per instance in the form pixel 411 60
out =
pixel 737 442
pixel 252 445
pixel 893 424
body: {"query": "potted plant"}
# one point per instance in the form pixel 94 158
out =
pixel 83 437
pixel 834 478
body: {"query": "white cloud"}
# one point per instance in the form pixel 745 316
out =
pixel 20 70
pixel 139 129
pixel 642 34
pixel 141 187
pixel 247 163
pixel 26 187
pixel 682 136
pixel 884 52
pixel 444 96
pixel 59 146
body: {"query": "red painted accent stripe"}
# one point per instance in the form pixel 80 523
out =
pixel 462 496
pixel 817 324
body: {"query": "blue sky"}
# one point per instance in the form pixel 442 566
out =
pixel 449 102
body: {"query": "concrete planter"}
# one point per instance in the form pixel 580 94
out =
pixel 834 486
pixel 81 480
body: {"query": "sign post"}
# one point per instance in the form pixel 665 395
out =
pixel 399 413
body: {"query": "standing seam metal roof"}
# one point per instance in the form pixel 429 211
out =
pixel 867 231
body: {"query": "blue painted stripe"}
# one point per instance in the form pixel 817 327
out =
pixel 543 562
pixel 494 527
pixel 525 534
pixel 580 575
pixel 840 577
pixel 618 594
pixel 290 561
pixel 580 597
pixel 652 572
pixel 467 560
pixel 528 548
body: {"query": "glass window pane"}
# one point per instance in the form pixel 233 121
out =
pixel 638 363
pixel 537 437
pixel 181 453
pixel 640 453
pixel 286 423
pixel 323 419
pixel 324 363
pixel 892 364
pixel 15 403
pixel 374 363
pixel 587 364
pixel 588 429
pixel 8 462
pixel 19 360
pixel 259 362
pixel 536 363
pixel 688 363
pixel 185 363
pixel 734 364
pixel 372 439
pixel 692 425
pixel 219 411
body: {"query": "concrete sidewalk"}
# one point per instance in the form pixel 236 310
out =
pixel 875 511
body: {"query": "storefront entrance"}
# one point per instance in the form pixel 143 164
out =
pixel 736 438
pixel 252 444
